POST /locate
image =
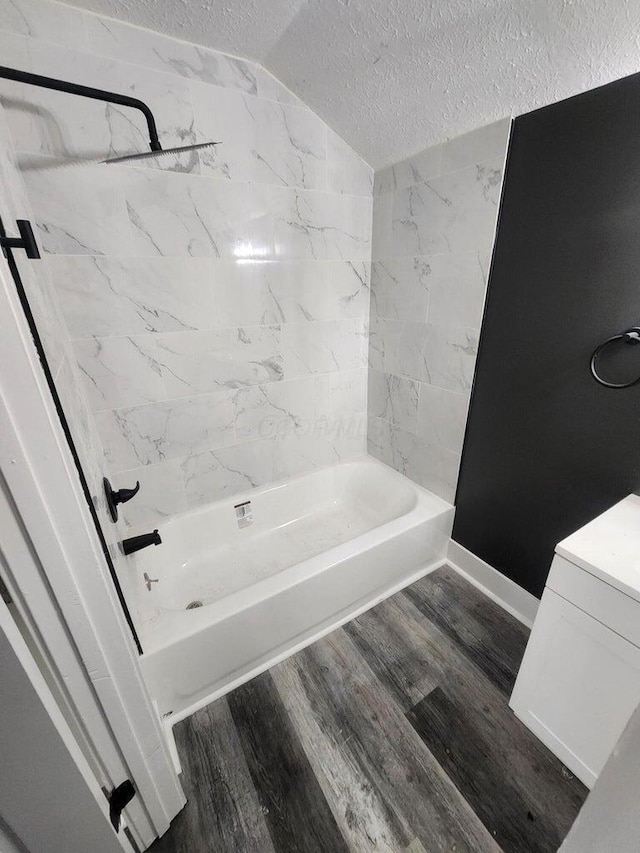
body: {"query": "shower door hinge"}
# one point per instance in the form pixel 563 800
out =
pixel 119 799
pixel 26 240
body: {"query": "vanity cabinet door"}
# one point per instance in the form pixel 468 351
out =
pixel 577 687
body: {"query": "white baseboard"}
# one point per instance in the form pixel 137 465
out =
pixel 513 598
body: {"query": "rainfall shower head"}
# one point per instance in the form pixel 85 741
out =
pixel 111 98
pixel 146 155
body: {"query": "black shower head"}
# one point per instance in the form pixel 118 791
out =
pixel 146 155
pixel 110 98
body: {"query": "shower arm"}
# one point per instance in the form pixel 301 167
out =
pixel 87 92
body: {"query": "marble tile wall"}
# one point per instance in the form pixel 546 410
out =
pixel 216 304
pixel 434 219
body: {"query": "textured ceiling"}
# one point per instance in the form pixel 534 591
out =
pixel 393 76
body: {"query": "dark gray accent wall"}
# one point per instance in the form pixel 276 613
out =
pixel 547 448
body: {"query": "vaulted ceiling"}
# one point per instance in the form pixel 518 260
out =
pixel 393 76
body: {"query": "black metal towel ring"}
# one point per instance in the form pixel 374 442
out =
pixel 630 336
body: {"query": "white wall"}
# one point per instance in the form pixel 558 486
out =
pixel 217 304
pixel 609 821
pixel 46 787
pixel 433 229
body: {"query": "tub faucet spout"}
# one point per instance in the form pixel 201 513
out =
pixel 135 543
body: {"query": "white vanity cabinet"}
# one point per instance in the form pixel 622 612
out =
pixel 579 681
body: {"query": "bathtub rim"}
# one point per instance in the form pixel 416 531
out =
pixel 258 491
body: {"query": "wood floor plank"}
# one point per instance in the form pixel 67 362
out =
pixel 345 717
pixel 516 752
pixel 295 809
pixel 361 810
pixel 397 656
pixel 222 812
pixel 462 751
pixel 493 639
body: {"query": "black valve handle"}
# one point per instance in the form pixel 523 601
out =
pixel 120 497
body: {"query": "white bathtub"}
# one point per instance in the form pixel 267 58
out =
pixel 305 556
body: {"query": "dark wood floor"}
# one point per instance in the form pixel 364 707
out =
pixel 391 734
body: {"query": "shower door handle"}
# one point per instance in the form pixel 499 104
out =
pixel 26 240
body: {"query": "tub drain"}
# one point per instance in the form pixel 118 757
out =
pixel 193 604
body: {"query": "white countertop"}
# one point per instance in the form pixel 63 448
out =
pixel 609 546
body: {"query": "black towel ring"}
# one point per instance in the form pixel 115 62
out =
pixel 631 336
